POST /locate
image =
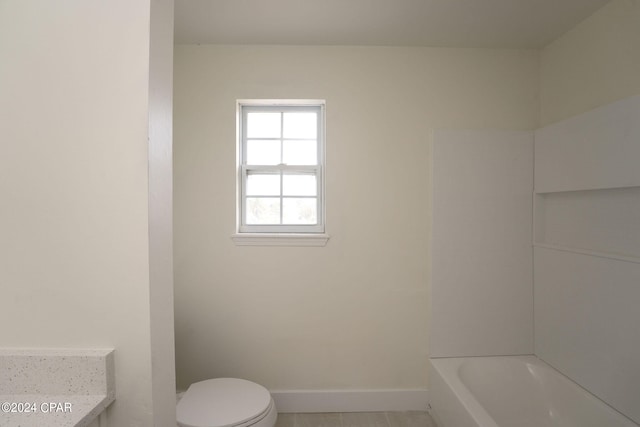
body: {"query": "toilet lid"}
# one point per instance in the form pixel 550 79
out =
pixel 222 402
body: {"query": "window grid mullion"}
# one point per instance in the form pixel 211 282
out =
pixel 281 137
pixel 281 171
pixel 302 169
pixel 281 198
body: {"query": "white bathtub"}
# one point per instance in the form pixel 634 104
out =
pixel 512 391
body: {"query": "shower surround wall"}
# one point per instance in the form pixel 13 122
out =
pixel 587 205
pixel 587 251
pixel 481 244
pixel 586 240
pixel 586 322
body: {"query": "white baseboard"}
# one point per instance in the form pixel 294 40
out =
pixel 350 400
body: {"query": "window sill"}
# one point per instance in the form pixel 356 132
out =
pixel 283 239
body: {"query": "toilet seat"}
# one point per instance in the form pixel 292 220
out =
pixel 226 402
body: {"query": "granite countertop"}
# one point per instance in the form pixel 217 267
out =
pixel 41 410
pixel 55 387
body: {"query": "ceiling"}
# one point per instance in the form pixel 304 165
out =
pixel 446 23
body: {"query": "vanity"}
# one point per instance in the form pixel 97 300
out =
pixel 55 387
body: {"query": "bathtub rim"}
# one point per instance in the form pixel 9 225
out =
pixel 447 369
pixel 449 366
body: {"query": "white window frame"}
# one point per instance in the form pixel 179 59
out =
pixel 280 234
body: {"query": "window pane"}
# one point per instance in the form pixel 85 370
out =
pixel 300 211
pixel 300 152
pixel 299 185
pixel 263 184
pixel 300 125
pixel 263 152
pixel 263 210
pixel 263 125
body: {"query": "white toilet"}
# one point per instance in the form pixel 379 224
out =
pixel 226 402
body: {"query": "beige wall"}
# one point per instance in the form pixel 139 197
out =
pixel 352 314
pixel 74 218
pixel 594 64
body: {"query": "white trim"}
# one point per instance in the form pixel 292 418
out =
pixel 243 107
pixel 281 102
pixel 301 401
pixel 284 239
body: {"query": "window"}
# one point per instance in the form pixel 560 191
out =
pixel 280 171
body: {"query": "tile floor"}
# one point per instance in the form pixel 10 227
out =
pixel 357 419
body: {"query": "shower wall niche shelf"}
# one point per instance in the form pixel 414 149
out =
pixel 602 222
pixel 587 183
